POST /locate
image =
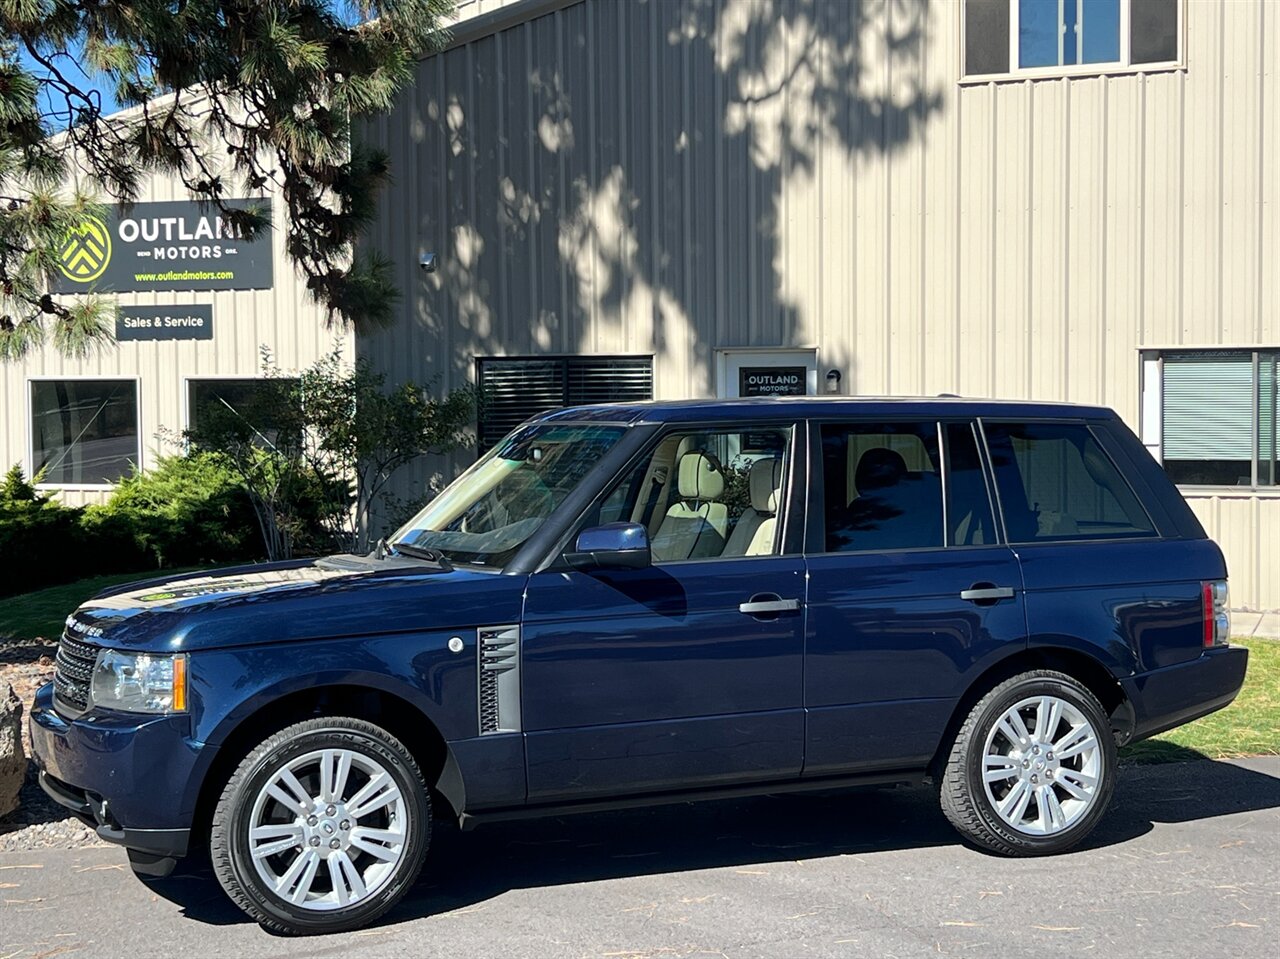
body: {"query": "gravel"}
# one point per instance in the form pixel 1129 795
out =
pixel 38 822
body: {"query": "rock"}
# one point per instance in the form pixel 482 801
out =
pixel 13 759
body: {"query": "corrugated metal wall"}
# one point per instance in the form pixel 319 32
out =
pixel 682 176
pixel 283 318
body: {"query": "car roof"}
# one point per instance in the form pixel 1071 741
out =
pixel 820 407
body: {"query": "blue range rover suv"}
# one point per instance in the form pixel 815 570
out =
pixel 655 603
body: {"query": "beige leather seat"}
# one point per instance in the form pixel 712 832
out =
pixel 695 525
pixel 753 536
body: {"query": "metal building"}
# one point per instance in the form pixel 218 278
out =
pixel 1071 200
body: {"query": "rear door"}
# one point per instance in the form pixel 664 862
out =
pixel 1099 575
pixel 911 590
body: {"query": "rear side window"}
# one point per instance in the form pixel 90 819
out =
pixel 1057 483
pixel 882 486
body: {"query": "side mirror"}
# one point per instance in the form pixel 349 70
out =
pixel 615 546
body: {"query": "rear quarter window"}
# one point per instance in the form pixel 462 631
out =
pixel 1057 483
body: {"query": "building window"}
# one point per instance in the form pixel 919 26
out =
pixel 1064 37
pixel 84 432
pixel 512 389
pixel 231 405
pixel 1211 416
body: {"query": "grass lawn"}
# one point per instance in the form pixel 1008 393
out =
pixel 42 613
pixel 1248 727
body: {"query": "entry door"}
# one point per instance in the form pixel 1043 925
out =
pixel 767 373
pixel 689 673
pixel 908 600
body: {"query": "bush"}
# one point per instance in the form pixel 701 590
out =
pixel 43 543
pixel 187 511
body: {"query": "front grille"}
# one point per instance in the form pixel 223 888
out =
pixel 74 671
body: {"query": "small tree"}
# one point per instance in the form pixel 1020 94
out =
pixel 366 433
pixel 315 452
pixel 264 440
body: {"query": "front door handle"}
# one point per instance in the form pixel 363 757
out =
pixel 983 593
pixel 768 603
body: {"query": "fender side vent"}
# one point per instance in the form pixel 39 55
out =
pixel 499 652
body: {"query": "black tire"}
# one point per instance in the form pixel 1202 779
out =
pixel 229 834
pixel 964 796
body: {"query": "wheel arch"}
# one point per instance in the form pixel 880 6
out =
pixel 238 736
pixel 1079 665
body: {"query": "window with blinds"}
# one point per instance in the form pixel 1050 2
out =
pixel 1218 418
pixel 512 389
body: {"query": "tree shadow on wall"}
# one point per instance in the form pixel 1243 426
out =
pixel 666 167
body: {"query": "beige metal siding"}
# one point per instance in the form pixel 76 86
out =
pixel 282 318
pixel 678 177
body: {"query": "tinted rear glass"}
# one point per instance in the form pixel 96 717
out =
pixel 1057 483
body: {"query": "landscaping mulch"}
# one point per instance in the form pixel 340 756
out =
pixel 38 822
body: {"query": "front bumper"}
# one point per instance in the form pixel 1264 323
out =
pixel 128 776
pixel 1169 697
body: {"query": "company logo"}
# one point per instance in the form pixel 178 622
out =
pixel 86 251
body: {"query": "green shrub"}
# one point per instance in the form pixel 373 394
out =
pixel 186 511
pixel 43 543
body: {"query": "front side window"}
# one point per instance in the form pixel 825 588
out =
pixel 84 432
pixel 1056 482
pixel 1060 37
pixel 1211 416
pixel 489 512
pixel 706 494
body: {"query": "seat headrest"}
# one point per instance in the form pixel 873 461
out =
pixel 700 478
pixel 764 480
pixel 879 468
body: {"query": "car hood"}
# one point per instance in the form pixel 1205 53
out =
pixel 249 605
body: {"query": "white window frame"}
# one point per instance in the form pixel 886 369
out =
pixel 31 434
pixel 1118 67
pixel 1151 412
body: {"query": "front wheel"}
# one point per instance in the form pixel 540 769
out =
pixel 322 828
pixel 1033 767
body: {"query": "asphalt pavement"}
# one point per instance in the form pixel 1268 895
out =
pixel 1186 864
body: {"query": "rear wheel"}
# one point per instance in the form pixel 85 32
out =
pixel 1033 767
pixel 322 828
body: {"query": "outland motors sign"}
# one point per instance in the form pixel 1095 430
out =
pixel 176 245
pixel 772 381
pixel 191 322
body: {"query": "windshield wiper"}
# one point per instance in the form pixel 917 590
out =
pixel 420 552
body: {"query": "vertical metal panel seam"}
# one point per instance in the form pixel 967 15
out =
pixel 506 229
pixel 921 224
pixel 534 313
pixel 1222 190
pixel 567 318
pixel 626 264
pixel 1182 204
pixel 992 346
pixel 1142 215
pixel 1100 388
pixel 1066 245
pixel 717 132
pixel 1262 166
pixel 593 318
pixel 886 198
pixel 655 191
pixel 959 155
pixel 686 191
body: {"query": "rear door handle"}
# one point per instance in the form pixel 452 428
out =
pixel 757 606
pixel 989 594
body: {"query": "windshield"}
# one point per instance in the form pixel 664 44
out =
pixel 489 511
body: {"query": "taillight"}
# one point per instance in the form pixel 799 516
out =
pixel 1217 619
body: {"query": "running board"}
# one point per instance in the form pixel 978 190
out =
pixel 470 820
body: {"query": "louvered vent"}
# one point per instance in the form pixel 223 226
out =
pixel 514 389
pixel 499 679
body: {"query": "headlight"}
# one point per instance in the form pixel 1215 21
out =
pixel 140 682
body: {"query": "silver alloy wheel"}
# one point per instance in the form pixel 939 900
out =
pixel 328 829
pixel 1042 765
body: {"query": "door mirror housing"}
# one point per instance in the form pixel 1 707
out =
pixel 614 546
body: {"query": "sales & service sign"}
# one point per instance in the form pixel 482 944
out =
pixel 177 245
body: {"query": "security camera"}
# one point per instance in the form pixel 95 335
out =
pixel 427 262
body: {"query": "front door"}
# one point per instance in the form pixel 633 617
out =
pixel 911 591
pixel 688 673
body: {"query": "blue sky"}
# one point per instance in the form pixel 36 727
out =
pixel 70 68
